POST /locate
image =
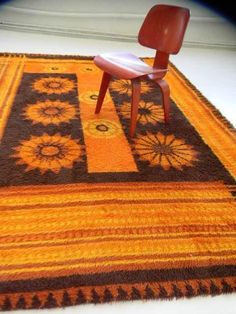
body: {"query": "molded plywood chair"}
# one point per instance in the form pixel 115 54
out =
pixel 163 30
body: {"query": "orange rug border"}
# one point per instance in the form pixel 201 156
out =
pixel 127 291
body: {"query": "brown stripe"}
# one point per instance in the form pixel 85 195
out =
pixel 77 187
pixel 20 193
pixel 119 277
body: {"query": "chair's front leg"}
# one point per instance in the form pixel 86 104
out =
pixel 136 87
pixel 165 91
pixel 102 92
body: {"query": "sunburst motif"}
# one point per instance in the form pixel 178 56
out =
pixel 165 151
pixel 124 87
pixel 48 111
pixel 102 128
pixel 48 153
pixel 53 85
pixel 148 112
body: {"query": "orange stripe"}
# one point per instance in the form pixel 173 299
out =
pixel 55 242
pixel 101 264
pixel 117 232
pixel 71 269
pixel 164 248
pixel 114 142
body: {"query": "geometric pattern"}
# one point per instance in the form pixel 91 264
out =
pixel 90 215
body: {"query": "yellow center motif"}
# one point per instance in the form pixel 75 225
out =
pixel 91 97
pixel 50 150
pixel 50 112
pixel 55 68
pixel 88 68
pixel 53 85
pixel 165 150
pixel 48 153
pixel 101 128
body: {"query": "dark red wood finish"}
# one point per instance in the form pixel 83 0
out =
pixel 163 30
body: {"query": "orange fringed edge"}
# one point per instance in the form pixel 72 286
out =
pixel 123 292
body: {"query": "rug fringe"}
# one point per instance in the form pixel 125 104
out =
pixel 45 56
pixel 76 296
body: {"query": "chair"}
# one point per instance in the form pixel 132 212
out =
pixel 163 30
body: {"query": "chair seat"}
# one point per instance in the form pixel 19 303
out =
pixel 126 66
pixel 163 30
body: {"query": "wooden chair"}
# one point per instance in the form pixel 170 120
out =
pixel 163 30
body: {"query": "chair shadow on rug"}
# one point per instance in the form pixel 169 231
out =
pixel 163 30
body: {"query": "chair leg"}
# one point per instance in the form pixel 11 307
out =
pixel 136 87
pixel 165 91
pixel 102 92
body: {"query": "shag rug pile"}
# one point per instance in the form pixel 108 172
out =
pixel 89 215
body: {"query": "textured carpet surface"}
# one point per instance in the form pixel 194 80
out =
pixel 90 215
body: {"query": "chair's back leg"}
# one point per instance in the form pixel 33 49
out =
pixel 165 91
pixel 102 92
pixel 136 87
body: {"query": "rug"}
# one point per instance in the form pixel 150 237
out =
pixel 89 215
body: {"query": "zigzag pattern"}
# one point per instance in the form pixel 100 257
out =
pixel 95 295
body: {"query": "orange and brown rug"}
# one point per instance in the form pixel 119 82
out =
pixel 89 215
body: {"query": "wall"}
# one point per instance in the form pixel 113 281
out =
pixel 110 19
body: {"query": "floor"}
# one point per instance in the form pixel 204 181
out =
pixel 213 72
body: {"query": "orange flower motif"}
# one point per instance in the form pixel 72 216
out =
pixel 48 153
pixel 53 85
pixel 48 111
pixel 165 150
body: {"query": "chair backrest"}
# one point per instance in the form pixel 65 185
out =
pixel 164 27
